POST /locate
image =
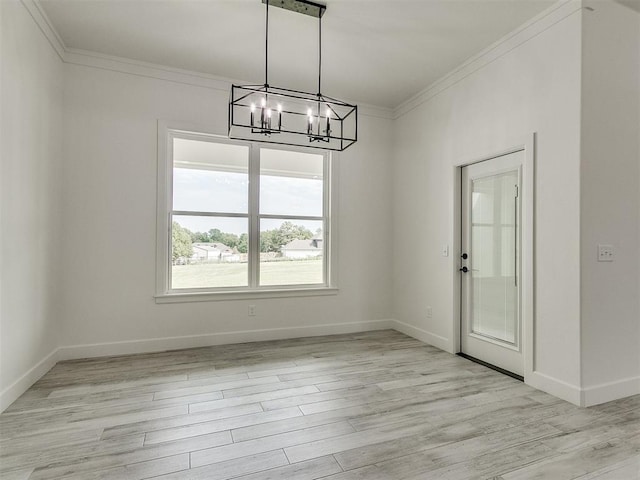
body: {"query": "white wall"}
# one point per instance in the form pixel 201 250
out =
pixel 610 201
pixel 531 83
pixel 31 109
pixel 109 205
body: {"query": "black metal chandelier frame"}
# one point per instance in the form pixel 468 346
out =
pixel 284 116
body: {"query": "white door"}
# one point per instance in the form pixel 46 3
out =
pixel 491 326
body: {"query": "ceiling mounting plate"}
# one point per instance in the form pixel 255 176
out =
pixel 299 6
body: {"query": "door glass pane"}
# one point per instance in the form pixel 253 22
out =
pixel 210 177
pixel 291 183
pixel 494 310
pixel 208 252
pixel 291 252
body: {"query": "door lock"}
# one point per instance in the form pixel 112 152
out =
pixel 464 256
pixel 464 269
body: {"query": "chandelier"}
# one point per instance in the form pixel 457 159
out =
pixel 269 114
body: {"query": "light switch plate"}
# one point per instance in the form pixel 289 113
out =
pixel 605 253
pixel 445 250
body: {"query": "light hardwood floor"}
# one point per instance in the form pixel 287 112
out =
pixel 370 406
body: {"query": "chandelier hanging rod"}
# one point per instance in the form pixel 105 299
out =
pixel 266 47
pixel 319 56
pixel 299 6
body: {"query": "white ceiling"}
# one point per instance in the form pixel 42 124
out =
pixel 375 52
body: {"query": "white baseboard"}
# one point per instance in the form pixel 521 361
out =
pixel 585 397
pixel 22 384
pixel 555 387
pixel 571 393
pixel 546 383
pixel 606 392
pixel 193 341
pixel 437 341
pixel 11 393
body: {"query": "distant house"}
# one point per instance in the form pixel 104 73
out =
pixel 303 248
pixel 213 252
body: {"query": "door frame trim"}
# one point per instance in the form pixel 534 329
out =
pixel 527 261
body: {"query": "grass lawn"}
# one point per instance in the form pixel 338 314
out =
pixel 207 275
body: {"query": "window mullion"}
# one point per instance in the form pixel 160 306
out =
pixel 254 222
pixel 168 202
pixel 193 213
pixel 292 217
pixel 326 223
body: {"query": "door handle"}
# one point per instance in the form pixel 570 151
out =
pixel 466 270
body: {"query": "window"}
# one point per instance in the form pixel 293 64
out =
pixel 237 218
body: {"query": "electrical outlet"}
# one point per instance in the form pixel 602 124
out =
pixel 252 310
pixel 429 312
pixel 605 253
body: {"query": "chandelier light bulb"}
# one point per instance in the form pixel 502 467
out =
pixel 269 118
pixel 253 109
pixel 263 102
pixel 279 116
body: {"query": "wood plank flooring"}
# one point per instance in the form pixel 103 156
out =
pixel 370 406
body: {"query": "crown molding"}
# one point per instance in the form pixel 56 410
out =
pixel 43 22
pixel 139 68
pixel 188 77
pixel 554 14
pixel 541 22
pixel 129 66
pixel 369 110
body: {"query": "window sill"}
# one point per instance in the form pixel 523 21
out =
pixel 188 297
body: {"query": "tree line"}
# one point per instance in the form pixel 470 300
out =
pixel 270 240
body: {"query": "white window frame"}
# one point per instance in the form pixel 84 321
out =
pixel 164 294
